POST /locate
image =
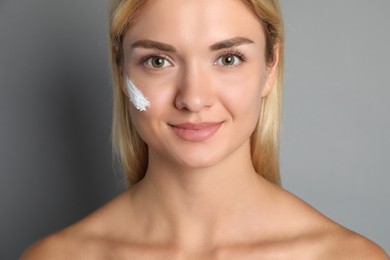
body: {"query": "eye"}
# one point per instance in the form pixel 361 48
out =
pixel 230 59
pixel 157 62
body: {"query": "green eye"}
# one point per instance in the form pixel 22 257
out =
pixel 157 62
pixel 230 59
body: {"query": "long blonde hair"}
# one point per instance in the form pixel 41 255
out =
pixel 132 151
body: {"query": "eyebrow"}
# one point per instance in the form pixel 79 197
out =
pixel 232 42
pixel 149 44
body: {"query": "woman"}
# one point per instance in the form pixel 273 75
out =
pixel 197 88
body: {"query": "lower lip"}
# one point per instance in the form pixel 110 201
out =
pixel 196 135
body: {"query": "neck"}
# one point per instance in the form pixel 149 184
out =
pixel 194 204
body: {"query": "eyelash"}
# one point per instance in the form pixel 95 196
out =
pixel 235 53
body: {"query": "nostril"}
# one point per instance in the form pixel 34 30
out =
pixel 179 103
pixel 194 91
pixel 193 102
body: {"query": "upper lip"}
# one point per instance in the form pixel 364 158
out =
pixel 195 126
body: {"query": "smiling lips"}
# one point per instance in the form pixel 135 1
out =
pixel 196 132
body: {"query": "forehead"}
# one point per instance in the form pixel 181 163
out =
pixel 195 21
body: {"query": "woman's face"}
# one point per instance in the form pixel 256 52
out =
pixel 201 65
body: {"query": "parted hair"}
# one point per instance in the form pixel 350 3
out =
pixel 128 146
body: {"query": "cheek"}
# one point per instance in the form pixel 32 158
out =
pixel 144 123
pixel 149 101
pixel 161 101
pixel 159 93
pixel 243 97
pixel 161 106
pixel 243 88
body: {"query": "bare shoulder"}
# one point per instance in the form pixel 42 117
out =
pixel 317 237
pixel 86 239
pixel 54 246
pixel 345 244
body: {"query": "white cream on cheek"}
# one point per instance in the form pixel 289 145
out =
pixel 136 97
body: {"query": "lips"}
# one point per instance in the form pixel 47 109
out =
pixel 196 132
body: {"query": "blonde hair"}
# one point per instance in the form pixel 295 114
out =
pixel 132 151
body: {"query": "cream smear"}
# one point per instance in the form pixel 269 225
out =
pixel 136 97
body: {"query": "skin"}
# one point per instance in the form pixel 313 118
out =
pixel 201 200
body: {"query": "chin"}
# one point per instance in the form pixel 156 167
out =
pixel 198 161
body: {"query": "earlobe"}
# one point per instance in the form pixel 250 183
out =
pixel 271 71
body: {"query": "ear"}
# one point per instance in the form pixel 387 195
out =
pixel 271 70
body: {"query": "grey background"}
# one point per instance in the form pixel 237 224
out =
pixel 55 114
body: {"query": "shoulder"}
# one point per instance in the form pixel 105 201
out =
pixel 78 241
pixel 54 246
pixel 89 238
pixel 345 244
pixel 315 236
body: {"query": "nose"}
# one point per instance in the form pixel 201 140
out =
pixel 195 91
